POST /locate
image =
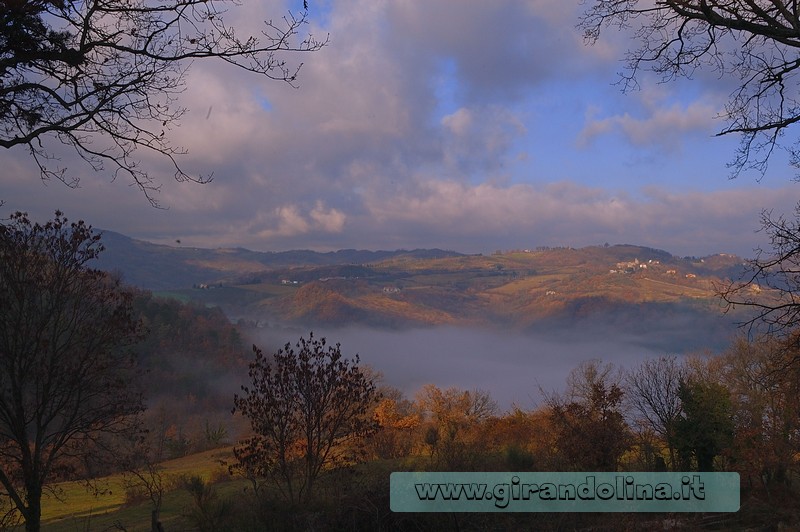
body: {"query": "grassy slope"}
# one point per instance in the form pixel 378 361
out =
pixel 78 508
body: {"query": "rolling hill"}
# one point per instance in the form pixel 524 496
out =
pixel 159 267
pixel 521 289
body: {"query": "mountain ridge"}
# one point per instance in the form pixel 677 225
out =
pixel 164 267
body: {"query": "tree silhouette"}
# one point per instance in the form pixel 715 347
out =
pixel 102 77
pixel 764 383
pixel 592 434
pixel 653 395
pixel 65 379
pixel 770 283
pixel 308 409
pixel 753 43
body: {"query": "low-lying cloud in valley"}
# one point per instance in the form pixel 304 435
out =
pixel 515 366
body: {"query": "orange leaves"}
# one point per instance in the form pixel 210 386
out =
pixel 388 416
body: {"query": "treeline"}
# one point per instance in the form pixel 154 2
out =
pixel 738 411
pixel 188 328
pixel 192 360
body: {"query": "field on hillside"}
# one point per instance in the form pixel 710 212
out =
pixel 71 506
pixel 110 503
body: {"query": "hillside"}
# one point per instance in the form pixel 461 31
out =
pixel 159 267
pixel 519 289
pixel 522 289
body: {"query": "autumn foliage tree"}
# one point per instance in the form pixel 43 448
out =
pixel 765 396
pixel 453 417
pixel 309 410
pixel 65 377
pixel 398 422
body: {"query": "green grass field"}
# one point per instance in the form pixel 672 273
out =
pixel 75 506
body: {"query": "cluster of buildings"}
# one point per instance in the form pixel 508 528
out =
pixel 632 266
pixel 636 265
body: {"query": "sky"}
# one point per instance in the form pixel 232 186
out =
pixel 466 125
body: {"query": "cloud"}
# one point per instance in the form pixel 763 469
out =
pixel 478 139
pixel 459 122
pixel 447 123
pixel 663 127
pixel 328 220
pixel 291 221
pixel 500 49
pixel 566 213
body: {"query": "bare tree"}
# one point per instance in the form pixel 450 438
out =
pixel 653 395
pixel 770 286
pixel 9 516
pixel 765 396
pixel 65 379
pixel 582 379
pixel 147 479
pixel 754 43
pixel 308 409
pixel 103 76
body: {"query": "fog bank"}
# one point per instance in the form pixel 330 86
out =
pixel 512 365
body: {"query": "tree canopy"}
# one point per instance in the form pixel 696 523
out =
pixel 103 76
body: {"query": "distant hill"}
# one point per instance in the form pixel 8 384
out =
pixel 620 285
pixel 159 267
pixel 519 289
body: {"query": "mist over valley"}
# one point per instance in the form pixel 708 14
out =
pixel 511 323
pixel 513 366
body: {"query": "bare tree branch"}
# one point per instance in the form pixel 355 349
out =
pixel 103 76
pixel 753 41
pixel 770 285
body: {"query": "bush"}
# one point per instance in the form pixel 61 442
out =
pixel 208 512
pixel 519 459
pixel 135 494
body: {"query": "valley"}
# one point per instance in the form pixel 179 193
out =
pixel 519 289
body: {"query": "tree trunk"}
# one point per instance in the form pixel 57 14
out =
pixel 155 524
pixel 33 519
